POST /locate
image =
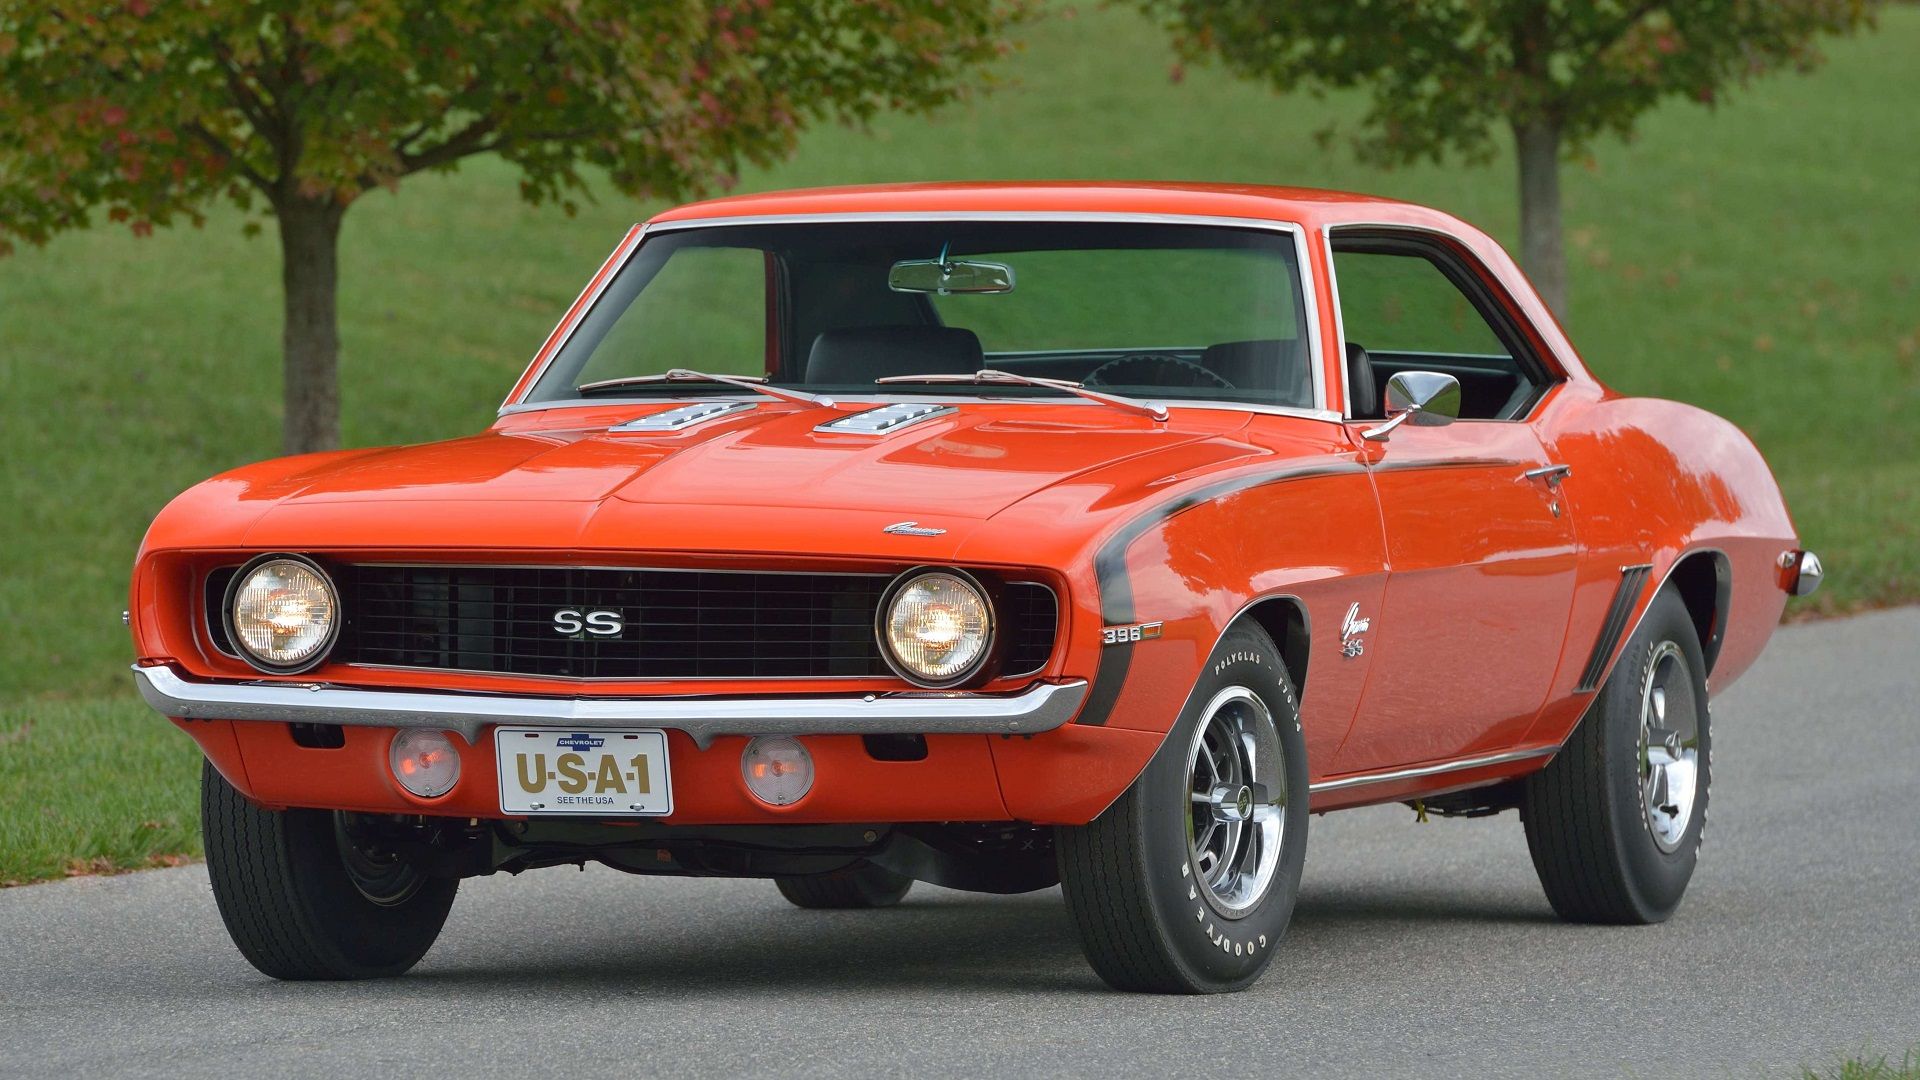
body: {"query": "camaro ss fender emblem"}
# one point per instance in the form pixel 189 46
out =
pixel 1351 627
pixel 601 623
pixel 1127 635
pixel 912 528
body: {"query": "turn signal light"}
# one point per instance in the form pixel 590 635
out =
pixel 425 762
pixel 778 770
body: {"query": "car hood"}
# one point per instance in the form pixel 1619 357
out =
pixel 969 463
pixel 565 478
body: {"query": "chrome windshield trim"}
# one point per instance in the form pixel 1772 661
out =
pixel 1419 771
pixel 571 318
pixel 1308 298
pixel 1038 708
pixel 1092 216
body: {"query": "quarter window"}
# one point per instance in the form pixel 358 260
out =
pixel 1409 312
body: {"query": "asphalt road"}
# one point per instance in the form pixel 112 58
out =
pixel 1417 949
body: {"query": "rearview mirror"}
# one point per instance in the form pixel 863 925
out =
pixel 1420 398
pixel 944 276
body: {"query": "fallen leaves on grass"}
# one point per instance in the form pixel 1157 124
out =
pixel 101 866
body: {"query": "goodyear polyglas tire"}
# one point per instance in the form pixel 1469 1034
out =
pixel 1614 822
pixel 1187 882
pixel 300 904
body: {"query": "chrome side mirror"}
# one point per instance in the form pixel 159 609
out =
pixel 1420 398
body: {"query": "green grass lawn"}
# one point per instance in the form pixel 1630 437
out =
pixel 1757 259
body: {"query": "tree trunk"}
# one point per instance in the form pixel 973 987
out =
pixel 310 338
pixel 1542 251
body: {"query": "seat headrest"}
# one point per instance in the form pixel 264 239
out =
pixel 1270 364
pixel 860 354
pixel 1363 395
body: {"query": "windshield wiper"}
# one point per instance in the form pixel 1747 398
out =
pixel 994 375
pixel 756 383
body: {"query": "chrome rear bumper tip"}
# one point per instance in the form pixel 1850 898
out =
pixel 1805 572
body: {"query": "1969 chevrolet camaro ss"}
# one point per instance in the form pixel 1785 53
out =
pixel 989 535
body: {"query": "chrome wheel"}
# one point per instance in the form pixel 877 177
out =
pixel 1669 746
pixel 1238 789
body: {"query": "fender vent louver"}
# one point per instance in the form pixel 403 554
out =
pixel 1632 579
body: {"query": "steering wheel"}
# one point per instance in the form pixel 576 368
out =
pixel 1154 369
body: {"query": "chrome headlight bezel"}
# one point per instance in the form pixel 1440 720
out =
pixel 883 618
pixel 238 640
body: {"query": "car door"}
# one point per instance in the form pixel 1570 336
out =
pixel 1480 547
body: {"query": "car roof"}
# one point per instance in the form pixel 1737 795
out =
pixel 1306 206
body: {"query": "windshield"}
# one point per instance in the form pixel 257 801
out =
pixel 1158 311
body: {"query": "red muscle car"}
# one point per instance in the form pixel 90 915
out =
pixel 989 535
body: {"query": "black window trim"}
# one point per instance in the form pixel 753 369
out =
pixel 1465 273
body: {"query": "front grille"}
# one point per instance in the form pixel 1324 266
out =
pixel 674 624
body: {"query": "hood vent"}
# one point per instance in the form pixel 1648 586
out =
pixel 684 417
pixel 886 419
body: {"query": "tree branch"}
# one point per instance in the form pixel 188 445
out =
pixel 468 140
pixel 258 111
pixel 219 146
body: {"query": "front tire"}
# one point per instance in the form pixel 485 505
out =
pixel 1185 885
pixel 1614 822
pixel 303 901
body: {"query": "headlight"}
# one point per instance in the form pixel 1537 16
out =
pixel 282 613
pixel 936 627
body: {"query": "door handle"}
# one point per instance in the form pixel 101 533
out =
pixel 1552 474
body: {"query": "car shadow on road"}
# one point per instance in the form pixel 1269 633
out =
pixel 954 942
pixel 1354 909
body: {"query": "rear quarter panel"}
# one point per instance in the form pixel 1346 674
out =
pixel 1655 482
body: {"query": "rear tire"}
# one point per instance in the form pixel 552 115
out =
pixel 861 885
pixel 302 902
pixel 1185 885
pixel 1614 822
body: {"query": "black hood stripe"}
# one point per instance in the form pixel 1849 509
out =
pixel 1116 587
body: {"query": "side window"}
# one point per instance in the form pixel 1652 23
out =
pixel 705 309
pixel 1408 314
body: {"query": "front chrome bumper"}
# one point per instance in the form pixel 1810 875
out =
pixel 1038 708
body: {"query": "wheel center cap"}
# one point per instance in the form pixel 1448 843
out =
pixel 1243 803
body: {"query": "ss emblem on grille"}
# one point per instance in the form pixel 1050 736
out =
pixel 601 623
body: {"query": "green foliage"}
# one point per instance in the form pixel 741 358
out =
pixel 149 110
pixel 1869 1068
pixel 1447 77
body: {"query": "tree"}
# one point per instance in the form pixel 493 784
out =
pixel 1558 74
pixel 150 110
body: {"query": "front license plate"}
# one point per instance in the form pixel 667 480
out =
pixel 556 771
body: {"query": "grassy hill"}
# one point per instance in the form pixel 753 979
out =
pixel 1757 259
